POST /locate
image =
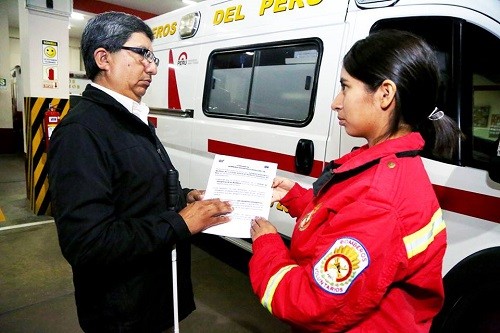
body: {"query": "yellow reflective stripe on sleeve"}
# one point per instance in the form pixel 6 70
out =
pixel 272 284
pixel 420 240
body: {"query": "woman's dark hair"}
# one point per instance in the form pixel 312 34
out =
pixel 109 30
pixel 411 64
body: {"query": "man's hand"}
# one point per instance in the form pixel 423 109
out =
pixel 200 215
pixel 195 195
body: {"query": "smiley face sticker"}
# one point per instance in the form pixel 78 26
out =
pixel 49 52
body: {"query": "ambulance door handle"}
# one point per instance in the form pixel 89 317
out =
pixel 308 82
pixel 187 113
pixel 304 156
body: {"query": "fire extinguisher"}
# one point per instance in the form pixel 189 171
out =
pixel 50 121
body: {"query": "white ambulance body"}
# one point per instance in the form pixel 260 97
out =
pixel 256 78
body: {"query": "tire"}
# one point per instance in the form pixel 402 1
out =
pixel 472 295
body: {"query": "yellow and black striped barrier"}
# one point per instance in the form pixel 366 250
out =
pixel 37 184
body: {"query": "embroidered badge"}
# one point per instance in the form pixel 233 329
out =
pixel 339 267
pixel 306 220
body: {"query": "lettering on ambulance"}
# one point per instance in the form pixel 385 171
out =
pixel 473 204
pixel 281 207
pixel 174 101
pixel 182 60
pixel 231 14
pixel 284 5
pixel 166 30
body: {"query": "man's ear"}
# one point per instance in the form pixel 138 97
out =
pixel 387 93
pixel 101 57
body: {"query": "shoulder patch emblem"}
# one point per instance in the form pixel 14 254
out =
pixel 340 265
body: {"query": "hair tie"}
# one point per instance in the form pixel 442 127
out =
pixel 436 114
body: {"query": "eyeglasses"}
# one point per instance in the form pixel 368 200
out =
pixel 147 54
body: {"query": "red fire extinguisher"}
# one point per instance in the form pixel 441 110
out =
pixel 50 121
pixel 51 74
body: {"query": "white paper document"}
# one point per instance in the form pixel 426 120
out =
pixel 247 184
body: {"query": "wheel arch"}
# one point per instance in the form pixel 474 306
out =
pixel 472 291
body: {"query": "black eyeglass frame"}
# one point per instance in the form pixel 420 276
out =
pixel 147 54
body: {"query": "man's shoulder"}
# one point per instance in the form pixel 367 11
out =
pixel 91 107
pixel 85 111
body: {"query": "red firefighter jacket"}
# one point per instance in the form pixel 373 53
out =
pixel 367 248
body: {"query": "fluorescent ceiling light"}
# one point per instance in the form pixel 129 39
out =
pixel 189 2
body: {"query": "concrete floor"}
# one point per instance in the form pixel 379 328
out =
pixel 36 290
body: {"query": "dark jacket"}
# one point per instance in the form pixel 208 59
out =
pixel 107 176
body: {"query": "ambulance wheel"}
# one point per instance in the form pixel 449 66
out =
pixel 472 295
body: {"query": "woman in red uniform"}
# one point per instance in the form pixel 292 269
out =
pixel 367 248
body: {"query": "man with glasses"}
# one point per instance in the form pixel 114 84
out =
pixel 108 173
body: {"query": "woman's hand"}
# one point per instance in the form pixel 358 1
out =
pixel 195 195
pixel 281 186
pixel 260 226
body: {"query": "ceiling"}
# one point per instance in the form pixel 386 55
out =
pixel 143 9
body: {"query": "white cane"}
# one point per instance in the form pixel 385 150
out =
pixel 173 196
pixel 174 289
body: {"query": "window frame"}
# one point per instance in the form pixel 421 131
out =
pixel 318 45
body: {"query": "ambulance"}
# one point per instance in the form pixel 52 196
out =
pixel 255 79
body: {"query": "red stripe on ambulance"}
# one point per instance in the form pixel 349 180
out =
pixel 459 201
pixel 174 101
pixel 469 203
pixel 285 162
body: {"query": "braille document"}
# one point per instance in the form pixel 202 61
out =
pixel 247 184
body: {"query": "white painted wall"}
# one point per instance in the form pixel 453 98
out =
pixel 5 87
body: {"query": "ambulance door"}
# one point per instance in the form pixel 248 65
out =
pixel 268 99
pixel 171 99
pixel 466 43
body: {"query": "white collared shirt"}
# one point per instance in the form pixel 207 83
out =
pixel 140 110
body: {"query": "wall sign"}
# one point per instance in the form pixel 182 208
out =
pixel 56 7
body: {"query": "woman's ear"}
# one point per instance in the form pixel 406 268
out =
pixel 387 93
pixel 101 57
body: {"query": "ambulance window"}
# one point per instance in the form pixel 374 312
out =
pixel 485 49
pixel 268 83
pixel 470 80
